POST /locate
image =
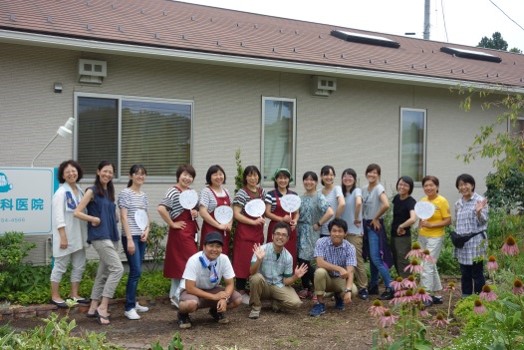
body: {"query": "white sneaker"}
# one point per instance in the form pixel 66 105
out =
pixel 245 299
pixel 132 315
pixel 141 308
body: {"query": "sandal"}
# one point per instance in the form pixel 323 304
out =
pixel 99 319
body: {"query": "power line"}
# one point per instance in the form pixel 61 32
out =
pixel 506 14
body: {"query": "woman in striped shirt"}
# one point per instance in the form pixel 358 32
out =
pixel 133 205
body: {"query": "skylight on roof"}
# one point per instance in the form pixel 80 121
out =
pixel 364 38
pixel 476 55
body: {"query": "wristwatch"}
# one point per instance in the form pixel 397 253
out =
pixel 347 290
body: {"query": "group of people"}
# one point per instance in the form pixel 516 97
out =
pixel 324 243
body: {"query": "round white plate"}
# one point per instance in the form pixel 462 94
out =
pixel 424 210
pixel 290 202
pixel 223 214
pixel 141 219
pixel 188 199
pixel 255 208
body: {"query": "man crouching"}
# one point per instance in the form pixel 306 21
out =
pixel 200 285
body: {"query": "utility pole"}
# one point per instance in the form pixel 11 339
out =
pixel 427 7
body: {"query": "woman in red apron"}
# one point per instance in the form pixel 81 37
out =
pixel 276 213
pixel 211 197
pixel 249 230
pixel 181 243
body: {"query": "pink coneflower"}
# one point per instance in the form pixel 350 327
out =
pixel 487 294
pixel 479 307
pixel 440 321
pixel 422 295
pixel 408 297
pixel 414 266
pixel 510 246
pixel 450 287
pixel 492 263
pixel 518 287
pixel 387 319
pixel 397 284
pixel 377 309
pixel 410 282
pixel 427 257
pixel 415 252
pixel 424 313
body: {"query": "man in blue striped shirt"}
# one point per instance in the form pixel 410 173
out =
pixel 336 259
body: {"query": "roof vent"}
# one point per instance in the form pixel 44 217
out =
pixel 476 55
pixel 91 71
pixel 323 86
pixel 364 38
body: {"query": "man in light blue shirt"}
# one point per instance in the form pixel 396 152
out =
pixel 272 274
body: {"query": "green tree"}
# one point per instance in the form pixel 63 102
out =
pixel 515 50
pixel 505 149
pixel 495 42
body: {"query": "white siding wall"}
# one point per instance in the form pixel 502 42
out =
pixel 357 125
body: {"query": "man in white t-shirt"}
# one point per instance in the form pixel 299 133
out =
pixel 200 285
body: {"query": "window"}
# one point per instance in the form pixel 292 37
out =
pixel 413 143
pixel 126 131
pixel 516 127
pixel 278 136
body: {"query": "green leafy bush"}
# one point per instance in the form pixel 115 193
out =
pixel 156 246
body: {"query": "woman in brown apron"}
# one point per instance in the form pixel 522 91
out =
pixel 181 243
pixel 211 197
pixel 249 230
pixel 276 213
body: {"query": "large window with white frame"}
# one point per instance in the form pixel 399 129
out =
pixel 131 130
pixel 413 143
pixel 278 136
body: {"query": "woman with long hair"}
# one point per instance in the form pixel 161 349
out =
pixel 102 233
pixel 181 244
pixel 215 194
pixel 333 195
pixel 275 212
pixel 133 205
pixel 353 216
pixel 249 230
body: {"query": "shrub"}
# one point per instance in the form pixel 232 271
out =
pixel 155 245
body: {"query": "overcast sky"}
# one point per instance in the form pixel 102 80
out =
pixel 465 21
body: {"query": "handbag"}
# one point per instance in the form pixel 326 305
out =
pixel 459 240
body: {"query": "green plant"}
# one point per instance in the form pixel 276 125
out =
pixel 155 245
pixel 506 190
pixel 175 344
pixel 55 334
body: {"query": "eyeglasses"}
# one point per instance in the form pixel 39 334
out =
pixel 279 234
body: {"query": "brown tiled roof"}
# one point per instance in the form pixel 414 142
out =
pixel 189 27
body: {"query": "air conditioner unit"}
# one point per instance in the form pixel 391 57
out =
pixel 91 71
pixel 323 86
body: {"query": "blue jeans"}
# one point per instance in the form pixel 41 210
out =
pixel 135 269
pixel 377 265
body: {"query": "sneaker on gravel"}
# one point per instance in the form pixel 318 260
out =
pixel 132 315
pixel 184 321
pixel 387 295
pixel 141 308
pixel 436 299
pixel 254 314
pixel 339 302
pixel 218 316
pixel 317 310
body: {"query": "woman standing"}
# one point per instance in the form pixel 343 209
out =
pixel 333 195
pixel 314 211
pixel 353 216
pixel 403 217
pixel 211 197
pixel 181 243
pixel 133 205
pixel 375 205
pixel 69 233
pixel 276 213
pixel 431 236
pixel 249 230
pixel 471 213
pixel 102 233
